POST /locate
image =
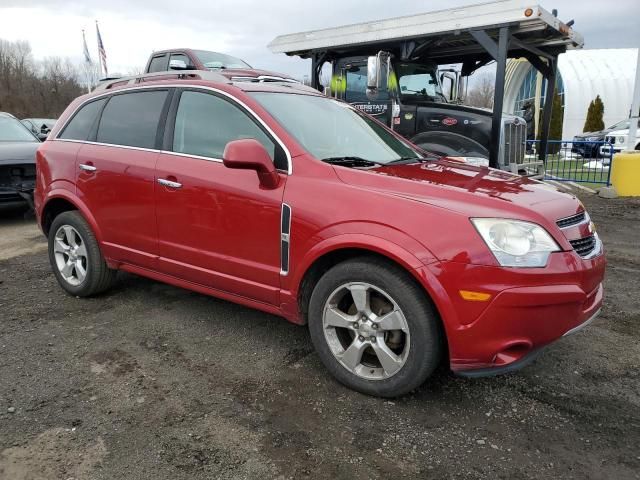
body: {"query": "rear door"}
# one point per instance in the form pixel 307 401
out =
pixel 216 226
pixel 116 174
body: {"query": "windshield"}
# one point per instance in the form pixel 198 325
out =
pixel 623 125
pixel 11 130
pixel 330 129
pixel 418 81
pixel 219 60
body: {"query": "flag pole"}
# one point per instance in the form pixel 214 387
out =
pixel 88 63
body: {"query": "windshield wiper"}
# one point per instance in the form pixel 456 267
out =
pixel 408 160
pixel 350 160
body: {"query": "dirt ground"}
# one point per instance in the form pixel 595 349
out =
pixel 154 382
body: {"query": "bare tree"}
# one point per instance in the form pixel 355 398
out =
pixel 481 94
pixel 35 89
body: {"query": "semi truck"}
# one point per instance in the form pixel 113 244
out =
pixel 411 72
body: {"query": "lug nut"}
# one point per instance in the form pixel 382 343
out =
pixel 361 338
pixel 375 326
pixel 373 339
pixel 356 325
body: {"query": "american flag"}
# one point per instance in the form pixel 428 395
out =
pixel 101 52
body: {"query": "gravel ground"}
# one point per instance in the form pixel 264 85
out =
pixel 154 382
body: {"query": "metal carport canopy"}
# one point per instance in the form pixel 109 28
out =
pixel 540 29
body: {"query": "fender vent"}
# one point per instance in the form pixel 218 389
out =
pixel 285 231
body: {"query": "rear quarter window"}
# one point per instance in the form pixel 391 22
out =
pixel 132 119
pixel 81 124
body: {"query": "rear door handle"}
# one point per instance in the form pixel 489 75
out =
pixel 169 183
pixel 87 168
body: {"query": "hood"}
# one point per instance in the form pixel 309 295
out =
pixel 18 152
pixel 600 133
pixel 468 190
pixel 618 133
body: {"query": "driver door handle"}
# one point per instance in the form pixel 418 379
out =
pixel 169 183
pixel 87 168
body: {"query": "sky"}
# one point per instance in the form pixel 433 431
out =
pixel 132 29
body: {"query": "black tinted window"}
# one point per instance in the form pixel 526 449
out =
pixel 82 122
pixel 158 64
pixel 132 119
pixel 206 123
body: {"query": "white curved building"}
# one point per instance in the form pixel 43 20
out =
pixel 583 74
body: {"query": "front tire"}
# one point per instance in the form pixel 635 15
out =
pixel 75 256
pixel 374 328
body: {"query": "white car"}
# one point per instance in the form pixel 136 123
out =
pixel 616 141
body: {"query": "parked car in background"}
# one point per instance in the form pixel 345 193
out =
pixel 40 127
pixel 617 139
pixel 276 197
pixel 17 163
pixel 590 145
pixel 189 59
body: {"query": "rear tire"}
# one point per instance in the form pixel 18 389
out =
pixel 374 328
pixel 75 256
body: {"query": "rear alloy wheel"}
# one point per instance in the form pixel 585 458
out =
pixel 75 256
pixel 374 328
pixel 71 255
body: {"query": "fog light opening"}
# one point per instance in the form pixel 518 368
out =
pixel 512 353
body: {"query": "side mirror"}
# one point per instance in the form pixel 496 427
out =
pixel 452 76
pixel 177 65
pixel 373 72
pixel 249 154
pixel 378 71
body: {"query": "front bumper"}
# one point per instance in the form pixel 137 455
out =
pixel 17 183
pixel 523 361
pixel 527 309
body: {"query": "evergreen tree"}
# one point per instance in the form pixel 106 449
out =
pixel 594 121
pixel 555 126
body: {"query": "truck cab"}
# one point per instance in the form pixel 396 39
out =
pixel 406 54
pixel 423 103
pixel 179 59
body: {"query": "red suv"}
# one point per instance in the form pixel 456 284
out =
pixel 276 197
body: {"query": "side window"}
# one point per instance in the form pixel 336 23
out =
pixel 83 121
pixel 132 119
pixel 158 64
pixel 181 57
pixel 205 124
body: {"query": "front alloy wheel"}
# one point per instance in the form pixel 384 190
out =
pixel 366 331
pixel 374 327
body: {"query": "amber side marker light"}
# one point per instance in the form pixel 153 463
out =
pixel 528 12
pixel 474 296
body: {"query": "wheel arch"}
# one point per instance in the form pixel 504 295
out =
pixel 61 201
pixel 325 257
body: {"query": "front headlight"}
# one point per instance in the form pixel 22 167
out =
pixel 515 243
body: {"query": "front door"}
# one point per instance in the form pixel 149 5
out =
pixel 216 226
pixel 115 176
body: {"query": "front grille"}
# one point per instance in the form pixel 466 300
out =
pixel 584 246
pixel 572 220
pixel 514 146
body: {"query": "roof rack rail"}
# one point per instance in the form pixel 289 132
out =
pixel 168 75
